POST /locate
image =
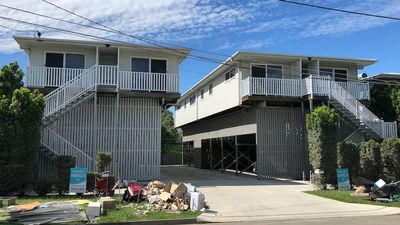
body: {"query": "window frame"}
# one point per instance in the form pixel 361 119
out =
pixel 65 58
pixel 229 71
pixel 266 69
pixel 149 58
pixel 333 72
pixel 210 90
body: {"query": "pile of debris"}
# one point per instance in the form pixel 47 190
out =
pixel 173 197
pixel 380 191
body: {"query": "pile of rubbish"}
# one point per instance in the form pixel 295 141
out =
pixel 173 197
pixel 380 191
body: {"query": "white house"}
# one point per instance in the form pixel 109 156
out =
pixel 248 114
pixel 103 97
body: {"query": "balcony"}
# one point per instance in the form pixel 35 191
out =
pixel 313 85
pixel 50 77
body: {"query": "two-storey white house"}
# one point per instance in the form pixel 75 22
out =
pixel 248 114
pixel 103 97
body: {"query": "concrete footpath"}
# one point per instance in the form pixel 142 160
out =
pixel 244 198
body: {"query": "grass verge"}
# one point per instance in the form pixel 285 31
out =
pixel 125 212
pixel 344 196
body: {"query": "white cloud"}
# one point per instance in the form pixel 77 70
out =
pixel 164 20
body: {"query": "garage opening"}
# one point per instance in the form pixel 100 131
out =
pixel 237 153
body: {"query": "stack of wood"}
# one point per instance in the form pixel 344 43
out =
pixel 166 197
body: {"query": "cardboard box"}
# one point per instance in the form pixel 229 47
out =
pixel 94 209
pixel 108 203
pixel 196 201
pixel 179 191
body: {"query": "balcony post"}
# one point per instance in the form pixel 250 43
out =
pixel 117 75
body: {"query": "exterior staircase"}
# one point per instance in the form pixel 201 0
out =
pixel 367 123
pixel 60 101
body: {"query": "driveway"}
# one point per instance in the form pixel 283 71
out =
pixel 244 198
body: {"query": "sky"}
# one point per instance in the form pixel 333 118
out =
pixel 222 27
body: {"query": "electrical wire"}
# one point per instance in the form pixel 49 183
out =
pixel 340 10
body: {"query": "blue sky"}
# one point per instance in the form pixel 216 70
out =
pixel 227 26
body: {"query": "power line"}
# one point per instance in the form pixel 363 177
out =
pixel 340 10
pixel 109 29
pixel 116 41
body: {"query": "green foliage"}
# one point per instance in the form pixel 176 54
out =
pixel 10 79
pixel 390 153
pixel 63 165
pixel 395 96
pixel 90 183
pixel 21 113
pixel 370 160
pixel 322 136
pixel 43 186
pixel 170 136
pixel 381 102
pixel 103 159
pixel 349 157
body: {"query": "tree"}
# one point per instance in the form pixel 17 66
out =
pixel 395 97
pixel 103 159
pixel 322 136
pixel 170 137
pixel 21 112
pixel 381 103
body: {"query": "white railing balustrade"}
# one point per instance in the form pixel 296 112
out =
pixel 106 75
pixel 275 86
pixel 144 81
pixel 39 76
pixel 60 146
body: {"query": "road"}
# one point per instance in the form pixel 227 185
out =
pixel 365 220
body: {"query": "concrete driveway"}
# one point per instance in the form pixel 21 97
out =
pixel 244 198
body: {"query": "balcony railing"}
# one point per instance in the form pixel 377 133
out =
pixel 104 75
pixel 313 85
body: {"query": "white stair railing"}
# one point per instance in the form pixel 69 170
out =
pixel 383 129
pixel 59 145
pixel 69 91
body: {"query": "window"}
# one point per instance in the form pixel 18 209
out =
pixel 76 61
pixel 274 71
pixel 55 60
pixel 340 75
pixel 258 71
pixel 184 104
pixel 140 65
pixel 202 93
pixel 149 65
pixel 158 66
pixel 327 72
pixel 210 89
pixel 192 99
pixel 231 73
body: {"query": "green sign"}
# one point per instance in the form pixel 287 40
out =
pixel 343 179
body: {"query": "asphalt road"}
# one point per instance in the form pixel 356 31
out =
pixel 365 220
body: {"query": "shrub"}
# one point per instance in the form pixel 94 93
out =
pixel 370 160
pixel 322 135
pixel 390 153
pixel 103 159
pixel 349 157
pixel 90 184
pixel 43 186
pixel 63 165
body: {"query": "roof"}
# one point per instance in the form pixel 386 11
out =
pixel 239 55
pixel 383 76
pixel 28 42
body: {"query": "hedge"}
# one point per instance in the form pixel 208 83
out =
pixel 370 160
pixel 103 159
pixel 322 136
pixel 63 165
pixel 349 157
pixel 390 153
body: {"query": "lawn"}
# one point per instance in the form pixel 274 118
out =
pixel 344 196
pixel 125 211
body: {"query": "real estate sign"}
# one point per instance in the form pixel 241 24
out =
pixel 343 179
pixel 77 180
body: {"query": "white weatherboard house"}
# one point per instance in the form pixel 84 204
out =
pixel 248 114
pixel 103 97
